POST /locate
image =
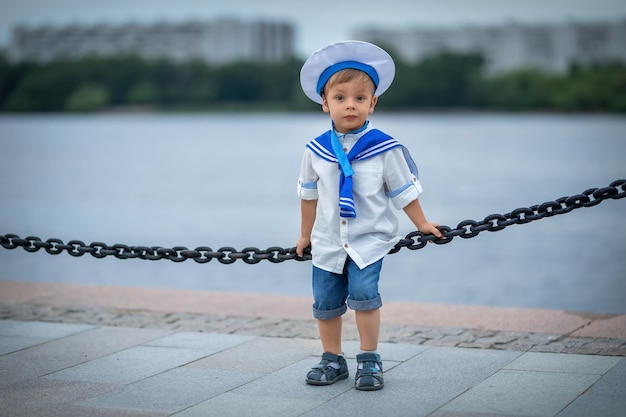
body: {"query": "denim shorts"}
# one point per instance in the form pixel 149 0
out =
pixel 355 288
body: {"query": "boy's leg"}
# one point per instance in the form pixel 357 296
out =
pixel 366 302
pixel 329 294
pixel 330 291
pixel 369 374
pixel 368 324
pixel 330 334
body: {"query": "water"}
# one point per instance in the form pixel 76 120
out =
pixel 229 180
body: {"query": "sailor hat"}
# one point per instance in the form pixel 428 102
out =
pixel 369 58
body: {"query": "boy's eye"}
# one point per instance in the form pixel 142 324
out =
pixel 339 97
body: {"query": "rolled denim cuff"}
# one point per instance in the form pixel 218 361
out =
pixel 329 314
pixel 372 304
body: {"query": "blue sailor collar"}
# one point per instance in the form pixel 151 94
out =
pixel 370 144
pixel 373 142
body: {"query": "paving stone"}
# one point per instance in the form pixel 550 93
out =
pixel 7 323
pixel 403 339
pixel 172 391
pixel 562 345
pixel 446 413
pixel 609 347
pixel 530 393
pixel 236 405
pixel 543 339
pixel 260 355
pixel 40 396
pixel 42 330
pixel 521 345
pixel 208 343
pixel 69 351
pixel 500 338
pixel 10 344
pixel 605 398
pixel 563 363
pixel 454 340
pixel 436 334
pixel 129 365
pixel 76 411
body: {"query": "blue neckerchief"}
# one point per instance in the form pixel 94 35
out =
pixel 327 147
pixel 344 164
pixel 342 159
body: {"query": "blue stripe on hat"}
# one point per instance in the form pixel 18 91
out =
pixel 335 68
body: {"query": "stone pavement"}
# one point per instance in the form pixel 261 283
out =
pixel 73 350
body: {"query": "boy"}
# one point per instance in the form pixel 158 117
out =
pixel 347 178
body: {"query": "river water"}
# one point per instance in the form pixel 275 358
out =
pixel 229 180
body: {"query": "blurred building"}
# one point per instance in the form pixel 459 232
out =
pixel 551 48
pixel 215 42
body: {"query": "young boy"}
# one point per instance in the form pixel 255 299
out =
pixel 347 178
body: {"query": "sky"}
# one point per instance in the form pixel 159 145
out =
pixel 317 22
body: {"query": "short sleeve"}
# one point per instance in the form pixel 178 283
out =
pixel 307 182
pixel 402 184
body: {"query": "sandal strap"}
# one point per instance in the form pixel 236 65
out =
pixel 327 358
pixel 330 372
pixel 370 361
pixel 330 357
pixel 373 372
pixel 324 368
pixel 378 376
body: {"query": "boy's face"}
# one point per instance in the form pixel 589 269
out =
pixel 349 104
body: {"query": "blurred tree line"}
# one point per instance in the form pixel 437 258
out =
pixel 442 81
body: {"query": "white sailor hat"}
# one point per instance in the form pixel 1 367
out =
pixel 322 64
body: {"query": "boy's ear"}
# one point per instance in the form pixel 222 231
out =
pixel 373 104
pixel 325 104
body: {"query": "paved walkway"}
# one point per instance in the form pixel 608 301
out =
pixel 72 350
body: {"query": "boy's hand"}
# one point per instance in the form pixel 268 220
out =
pixel 415 213
pixel 430 228
pixel 303 243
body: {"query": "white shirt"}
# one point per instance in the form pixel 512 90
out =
pixel 373 233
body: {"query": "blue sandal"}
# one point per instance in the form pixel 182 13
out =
pixel 370 375
pixel 324 374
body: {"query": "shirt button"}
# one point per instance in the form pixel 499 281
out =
pixel 343 222
pixel 345 150
pixel 345 245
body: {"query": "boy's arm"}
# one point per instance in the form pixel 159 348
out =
pixel 415 213
pixel 308 208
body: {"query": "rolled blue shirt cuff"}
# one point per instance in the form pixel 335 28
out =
pixel 402 196
pixel 307 190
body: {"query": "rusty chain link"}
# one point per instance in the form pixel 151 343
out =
pixel 251 255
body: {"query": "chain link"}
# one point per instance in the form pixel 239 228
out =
pixel 251 255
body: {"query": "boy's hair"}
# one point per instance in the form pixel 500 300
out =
pixel 346 75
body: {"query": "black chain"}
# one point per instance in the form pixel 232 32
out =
pixel 251 255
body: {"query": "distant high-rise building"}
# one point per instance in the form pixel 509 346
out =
pixel 215 42
pixel 511 46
